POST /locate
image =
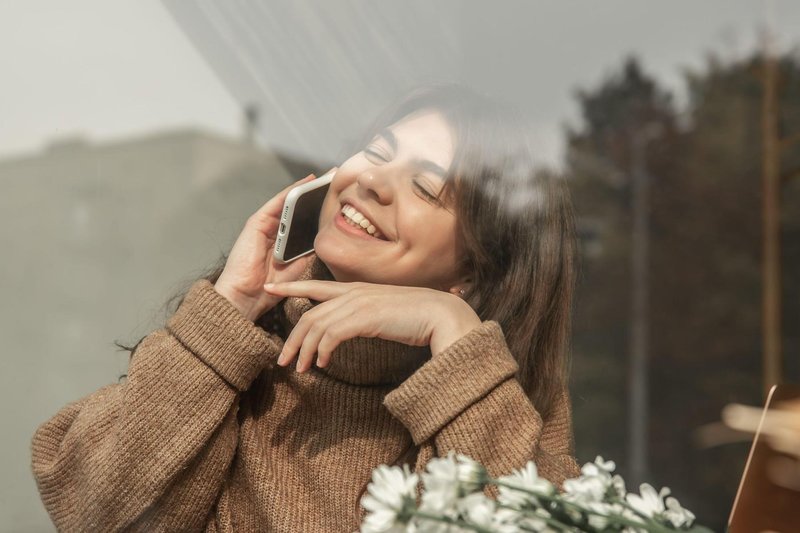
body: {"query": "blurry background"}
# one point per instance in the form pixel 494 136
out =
pixel 137 137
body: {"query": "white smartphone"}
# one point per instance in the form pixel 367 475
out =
pixel 300 218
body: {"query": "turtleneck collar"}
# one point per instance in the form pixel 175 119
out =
pixel 360 360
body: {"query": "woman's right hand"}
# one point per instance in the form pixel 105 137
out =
pixel 251 263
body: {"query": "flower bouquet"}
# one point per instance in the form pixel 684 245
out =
pixel 452 500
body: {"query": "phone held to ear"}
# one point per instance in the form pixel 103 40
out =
pixel 300 218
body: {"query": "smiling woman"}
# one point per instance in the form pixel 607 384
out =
pixel 390 184
pixel 441 322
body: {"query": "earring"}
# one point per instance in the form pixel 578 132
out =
pixel 461 292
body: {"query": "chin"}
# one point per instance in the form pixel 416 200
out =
pixel 342 268
pixel 334 258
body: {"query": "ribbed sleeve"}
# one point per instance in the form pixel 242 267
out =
pixel 218 334
pixel 152 454
pixel 447 384
pixel 468 399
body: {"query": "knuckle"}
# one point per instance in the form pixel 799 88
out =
pixel 304 318
pixel 329 337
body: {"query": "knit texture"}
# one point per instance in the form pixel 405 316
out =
pixel 209 434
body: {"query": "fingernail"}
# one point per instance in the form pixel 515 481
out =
pixel 281 358
pixel 269 286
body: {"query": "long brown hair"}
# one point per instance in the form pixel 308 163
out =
pixel 516 229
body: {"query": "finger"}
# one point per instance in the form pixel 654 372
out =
pixel 305 357
pixel 294 341
pixel 324 336
pixel 307 334
pixel 340 330
pixel 318 290
pixel 288 350
pixel 332 338
pixel 317 323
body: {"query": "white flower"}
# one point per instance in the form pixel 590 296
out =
pixel 441 486
pixel 453 500
pixel 649 503
pixel 391 494
pixel 424 525
pixel 448 478
pixel 598 468
pixel 537 524
pixel 585 489
pixel 599 521
pixel 574 514
pixel 477 509
pixel 608 466
pixel 594 483
pixel 630 515
pixel 505 521
pixel 677 515
pixel 618 484
pixel 528 479
pixel 471 474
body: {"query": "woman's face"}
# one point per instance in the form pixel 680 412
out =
pixel 388 182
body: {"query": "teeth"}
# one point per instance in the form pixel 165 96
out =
pixel 356 219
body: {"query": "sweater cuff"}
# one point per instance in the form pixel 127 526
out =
pixel 449 383
pixel 209 326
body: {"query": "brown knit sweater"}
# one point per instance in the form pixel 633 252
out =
pixel 208 433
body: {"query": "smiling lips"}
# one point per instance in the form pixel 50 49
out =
pixel 355 219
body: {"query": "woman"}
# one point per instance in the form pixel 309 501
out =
pixel 440 322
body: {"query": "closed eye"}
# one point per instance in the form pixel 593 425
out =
pixel 424 192
pixel 375 154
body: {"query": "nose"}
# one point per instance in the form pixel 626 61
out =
pixel 378 184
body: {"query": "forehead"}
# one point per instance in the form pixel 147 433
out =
pixel 422 136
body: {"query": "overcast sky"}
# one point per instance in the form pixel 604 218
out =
pixel 110 69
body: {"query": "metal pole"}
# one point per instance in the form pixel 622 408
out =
pixel 638 377
pixel 771 263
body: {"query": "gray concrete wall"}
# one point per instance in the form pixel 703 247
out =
pixel 94 239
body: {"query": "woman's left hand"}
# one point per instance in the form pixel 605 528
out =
pixel 416 316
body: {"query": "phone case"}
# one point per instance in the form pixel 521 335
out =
pixel 284 241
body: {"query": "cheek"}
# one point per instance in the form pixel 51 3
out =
pixel 331 203
pixel 445 240
pixel 427 230
pixel 328 205
pixel 330 200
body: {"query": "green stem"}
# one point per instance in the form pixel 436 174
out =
pixel 628 506
pixel 427 516
pixel 649 524
pixel 551 521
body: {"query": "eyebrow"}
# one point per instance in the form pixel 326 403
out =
pixel 421 163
